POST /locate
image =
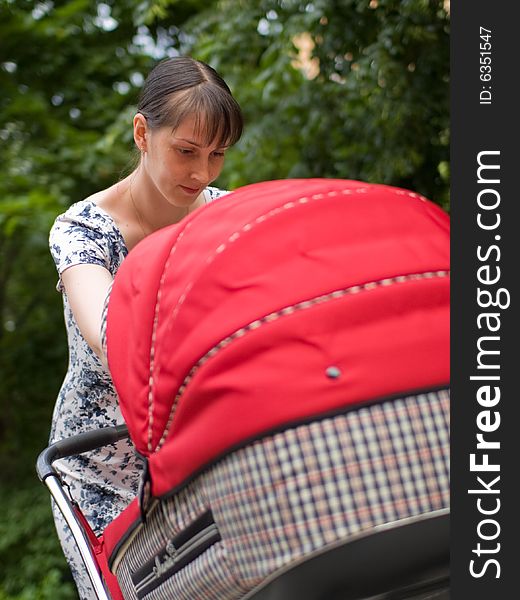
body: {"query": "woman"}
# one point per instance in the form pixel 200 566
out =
pixel 186 119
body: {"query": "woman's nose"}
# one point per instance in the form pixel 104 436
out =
pixel 201 171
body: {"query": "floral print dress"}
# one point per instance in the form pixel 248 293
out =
pixel 105 481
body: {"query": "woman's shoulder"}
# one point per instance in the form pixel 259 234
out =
pixel 88 214
pixel 85 221
pixel 86 234
pixel 85 230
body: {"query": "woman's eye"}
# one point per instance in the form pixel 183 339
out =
pixel 185 151
pixel 218 154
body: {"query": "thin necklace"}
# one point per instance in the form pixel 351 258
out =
pixel 138 214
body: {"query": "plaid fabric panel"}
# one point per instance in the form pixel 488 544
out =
pixel 297 491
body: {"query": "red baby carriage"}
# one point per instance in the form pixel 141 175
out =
pixel 281 358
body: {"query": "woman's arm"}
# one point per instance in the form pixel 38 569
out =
pixel 87 286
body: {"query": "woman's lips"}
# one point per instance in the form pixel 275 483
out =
pixel 190 191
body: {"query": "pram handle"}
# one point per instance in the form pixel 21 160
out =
pixel 82 442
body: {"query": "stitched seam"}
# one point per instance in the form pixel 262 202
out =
pixel 232 238
pixel 151 379
pixel 363 189
pixel 154 331
pixel 261 218
pixel 288 310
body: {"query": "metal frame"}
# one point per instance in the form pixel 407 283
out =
pixel 83 442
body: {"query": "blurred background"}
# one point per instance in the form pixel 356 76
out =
pixel 355 89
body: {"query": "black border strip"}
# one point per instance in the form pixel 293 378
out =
pixel 485 129
pixel 203 523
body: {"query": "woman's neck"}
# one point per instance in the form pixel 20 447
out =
pixel 152 210
pixel 140 213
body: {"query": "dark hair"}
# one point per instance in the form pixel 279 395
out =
pixel 179 87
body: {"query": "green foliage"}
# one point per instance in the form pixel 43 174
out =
pixel 373 107
pixel 33 566
pixel 68 79
pixel 32 343
pixel 61 140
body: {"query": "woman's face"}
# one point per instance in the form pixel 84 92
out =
pixel 180 164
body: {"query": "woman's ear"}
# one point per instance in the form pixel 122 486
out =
pixel 140 132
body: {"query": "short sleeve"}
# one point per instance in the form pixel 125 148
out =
pixel 74 242
pixel 213 193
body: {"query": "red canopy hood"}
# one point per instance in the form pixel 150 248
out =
pixel 283 300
